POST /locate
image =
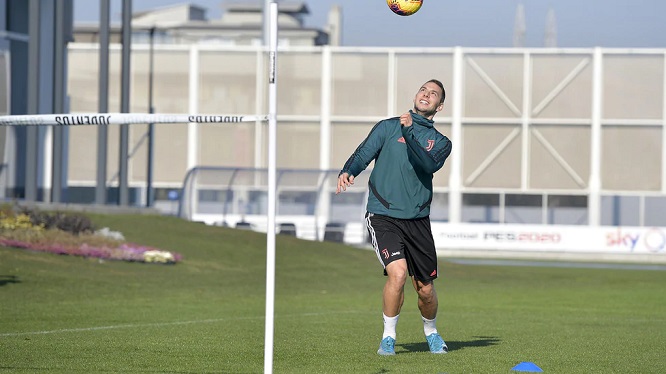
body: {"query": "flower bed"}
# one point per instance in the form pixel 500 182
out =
pixel 126 251
pixel 26 230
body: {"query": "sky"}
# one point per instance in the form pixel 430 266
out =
pixel 465 23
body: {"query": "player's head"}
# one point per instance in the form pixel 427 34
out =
pixel 430 98
pixel 441 86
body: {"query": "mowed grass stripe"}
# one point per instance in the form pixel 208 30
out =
pixel 165 324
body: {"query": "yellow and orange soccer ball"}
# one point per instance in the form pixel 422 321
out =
pixel 404 7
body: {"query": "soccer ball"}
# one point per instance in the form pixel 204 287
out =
pixel 404 7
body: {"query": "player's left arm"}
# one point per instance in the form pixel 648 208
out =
pixel 429 160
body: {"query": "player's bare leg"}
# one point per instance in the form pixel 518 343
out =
pixel 428 304
pixel 393 298
pixel 427 298
pixel 394 289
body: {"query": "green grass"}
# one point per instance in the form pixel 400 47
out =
pixel 62 314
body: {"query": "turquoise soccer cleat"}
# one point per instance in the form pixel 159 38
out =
pixel 387 347
pixel 436 344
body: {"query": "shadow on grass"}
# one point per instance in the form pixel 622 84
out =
pixel 6 279
pixel 479 341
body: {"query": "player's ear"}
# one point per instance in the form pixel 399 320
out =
pixel 440 107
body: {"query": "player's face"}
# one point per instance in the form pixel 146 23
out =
pixel 427 101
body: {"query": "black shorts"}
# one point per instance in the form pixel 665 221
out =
pixel 411 239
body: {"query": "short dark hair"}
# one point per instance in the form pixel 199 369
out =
pixel 438 83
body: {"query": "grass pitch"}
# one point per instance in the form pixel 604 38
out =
pixel 62 314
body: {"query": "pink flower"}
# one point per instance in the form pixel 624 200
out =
pixel 125 252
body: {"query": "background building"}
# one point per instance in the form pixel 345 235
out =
pixel 241 24
pixel 548 136
pixel 33 39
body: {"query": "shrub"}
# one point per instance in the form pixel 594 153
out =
pixel 74 223
pixel 17 222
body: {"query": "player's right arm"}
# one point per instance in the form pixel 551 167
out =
pixel 344 180
pixel 367 151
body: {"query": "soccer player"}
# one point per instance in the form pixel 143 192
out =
pixel 407 151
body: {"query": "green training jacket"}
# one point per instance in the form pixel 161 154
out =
pixel 405 160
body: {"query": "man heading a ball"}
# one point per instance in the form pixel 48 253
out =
pixel 407 151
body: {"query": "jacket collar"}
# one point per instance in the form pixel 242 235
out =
pixel 419 119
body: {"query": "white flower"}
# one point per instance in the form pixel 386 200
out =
pixel 158 256
pixel 106 232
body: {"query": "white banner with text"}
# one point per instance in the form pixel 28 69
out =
pixel 603 239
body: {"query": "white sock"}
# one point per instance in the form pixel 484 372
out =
pixel 429 326
pixel 389 325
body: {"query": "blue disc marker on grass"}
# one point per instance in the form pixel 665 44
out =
pixel 528 367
